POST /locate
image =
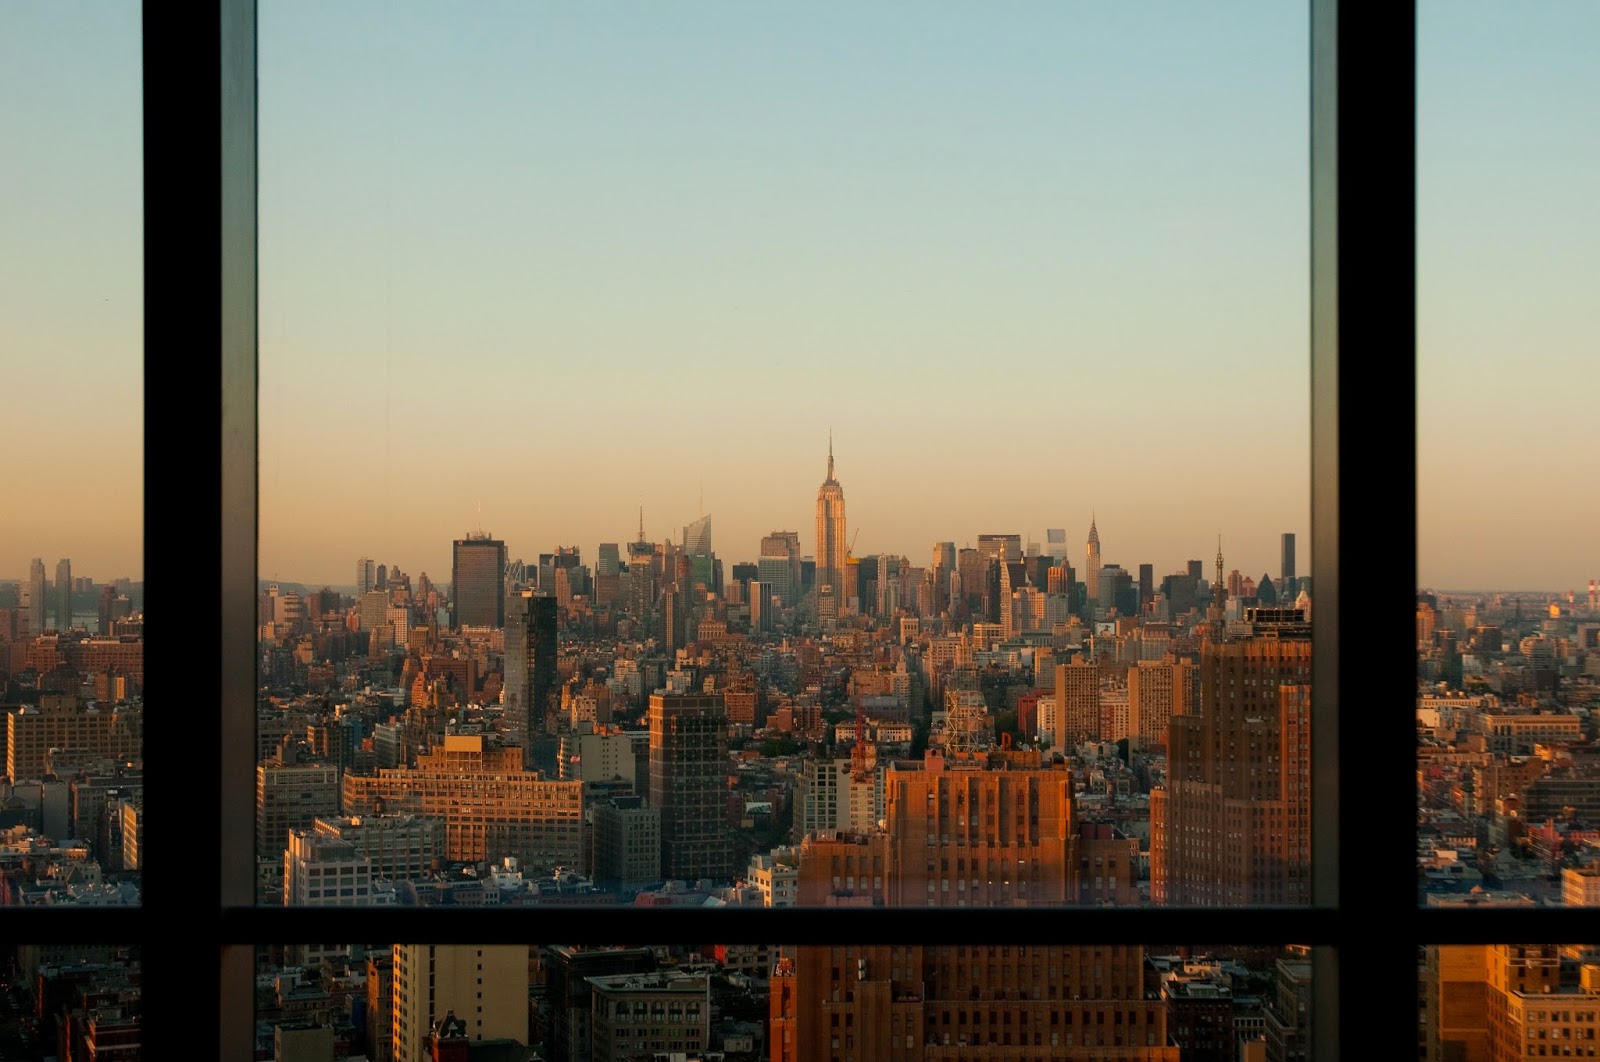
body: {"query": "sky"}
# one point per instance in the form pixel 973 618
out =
pixel 1508 341
pixel 72 287
pixel 562 261
pixel 530 270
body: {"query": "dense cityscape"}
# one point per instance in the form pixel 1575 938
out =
pixel 1008 723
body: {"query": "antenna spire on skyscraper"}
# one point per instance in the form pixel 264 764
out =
pixel 641 521
pixel 830 455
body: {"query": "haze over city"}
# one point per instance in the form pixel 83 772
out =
pixel 967 214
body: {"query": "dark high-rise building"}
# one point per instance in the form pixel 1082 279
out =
pixel 1286 565
pixel 688 784
pixel 1233 825
pixel 759 596
pixel 477 582
pixel 33 597
pixel 1147 584
pixel 63 594
pixel 996 1002
pixel 674 619
pixel 1181 592
pixel 1197 570
pixel 567 973
pixel 530 679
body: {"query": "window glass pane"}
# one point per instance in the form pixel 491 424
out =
pixel 983 338
pixel 1508 621
pixel 71 548
pixel 788 1003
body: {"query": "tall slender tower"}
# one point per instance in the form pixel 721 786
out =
pixel 1219 589
pixel 1091 562
pixel 530 667
pixel 831 540
pixel 35 596
pixel 63 590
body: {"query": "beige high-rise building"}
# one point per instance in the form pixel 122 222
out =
pixel 1077 702
pixel 1499 1002
pixel 832 545
pixel 289 797
pixel 1157 691
pixel 60 721
pixel 491 806
pixel 485 986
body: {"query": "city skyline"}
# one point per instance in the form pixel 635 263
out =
pixel 1264 546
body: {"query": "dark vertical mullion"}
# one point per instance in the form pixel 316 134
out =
pixel 182 479
pixel 236 79
pixel 1325 464
pixel 1364 422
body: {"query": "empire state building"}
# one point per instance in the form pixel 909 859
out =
pixel 831 545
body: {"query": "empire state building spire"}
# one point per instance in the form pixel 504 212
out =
pixel 832 546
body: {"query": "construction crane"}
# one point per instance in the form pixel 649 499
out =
pixel 851 552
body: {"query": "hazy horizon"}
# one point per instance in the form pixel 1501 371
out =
pixel 1027 266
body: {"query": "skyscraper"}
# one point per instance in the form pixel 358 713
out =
pixel 530 679
pixel 1157 691
pixel 832 545
pixel 484 986
pixel 1233 825
pixel 366 576
pixel 697 551
pixel 674 618
pixel 1056 542
pixel 63 594
pixel 760 606
pixel 477 582
pixel 688 783
pixel 1091 566
pixel 1000 547
pixel 34 589
pixel 779 564
pixel 1286 565
pixel 697 536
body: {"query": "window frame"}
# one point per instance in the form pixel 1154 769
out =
pixel 200 212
